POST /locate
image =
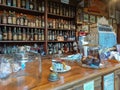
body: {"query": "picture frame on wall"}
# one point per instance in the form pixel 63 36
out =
pixel 85 28
pixel 112 10
pixel 92 19
pixel 86 17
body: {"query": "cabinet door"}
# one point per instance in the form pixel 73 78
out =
pixel 117 79
pixel 80 86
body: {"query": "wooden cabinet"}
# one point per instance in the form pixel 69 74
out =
pixel 118 33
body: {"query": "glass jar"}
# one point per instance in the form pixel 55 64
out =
pixel 21 71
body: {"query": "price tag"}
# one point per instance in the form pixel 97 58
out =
pixel 65 1
pixel 109 81
pixel 89 85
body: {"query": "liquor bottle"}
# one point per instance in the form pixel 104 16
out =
pixel 0 1
pixel 14 19
pixel 25 22
pixel 24 34
pixel 14 3
pixel 43 6
pixel 14 34
pixel 35 35
pixel 4 17
pixel 31 5
pixel 1 34
pixel 23 3
pixel 28 34
pixel 19 34
pixel 39 35
pixel 42 33
pixel 9 34
pixel 9 2
pixel 53 35
pixel 4 2
pixel 21 19
pixel 42 22
pixel 50 35
pixel 27 4
pixel 32 35
pixel 5 33
pixel 9 18
pixel 36 22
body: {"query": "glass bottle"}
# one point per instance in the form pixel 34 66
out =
pixel 14 18
pixel 23 3
pixel 42 22
pixel 28 34
pixel 43 6
pixel 35 35
pixel 4 2
pixel 32 35
pixel 4 17
pixel 9 34
pixel 14 34
pixel 1 34
pixel 9 2
pixel 9 18
pixel 5 33
pixel 39 35
pixel 31 4
pixel 14 3
pixel 21 19
pixel 24 34
pixel 42 35
pixel 19 34
pixel 27 4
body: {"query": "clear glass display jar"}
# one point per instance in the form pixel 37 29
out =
pixel 20 71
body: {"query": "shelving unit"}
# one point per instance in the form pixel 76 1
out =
pixel 62 14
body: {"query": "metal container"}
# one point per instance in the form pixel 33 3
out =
pixel 20 71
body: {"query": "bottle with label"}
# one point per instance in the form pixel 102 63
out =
pixel 42 22
pixel 32 35
pixel 21 19
pixel 14 18
pixel 27 4
pixel 23 3
pixel 35 35
pixel 31 5
pixel 28 34
pixel 39 35
pixel 4 2
pixel 42 35
pixel 43 6
pixel 19 34
pixel 9 18
pixel 24 34
pixel 1 34
pixel 14 3
pixel 4 17
pixel 14 34
pixel 25 20
pixel 9 2
pixel 5 33
pixel 9 34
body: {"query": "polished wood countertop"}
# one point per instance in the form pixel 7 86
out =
pixel 76 75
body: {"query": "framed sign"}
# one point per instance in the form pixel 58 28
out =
pixel 86 17
pixel 108 81
pixel 92 19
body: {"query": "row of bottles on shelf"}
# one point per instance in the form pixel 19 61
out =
pixel 61 35
pixel 7 49
pixel 27 4
pixel 61 9
pixel 54 48
pixel 21 19
pixel 61 24
pixel 21 34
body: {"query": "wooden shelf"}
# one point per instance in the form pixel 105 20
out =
pixel 61 29
pixel 60 41
pixel 18 9
pixel 11 25
pixel 59 16
pixel 21 41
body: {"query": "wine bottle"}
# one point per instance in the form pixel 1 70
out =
pixel 9 34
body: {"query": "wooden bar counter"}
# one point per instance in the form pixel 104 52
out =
pixel 77 76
